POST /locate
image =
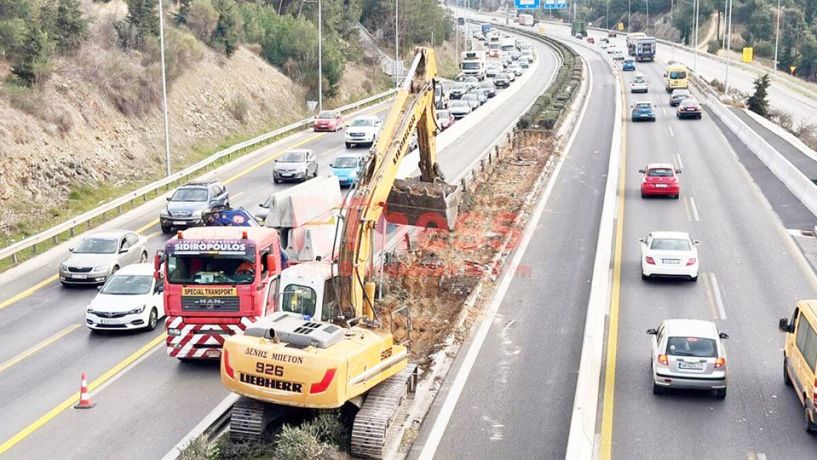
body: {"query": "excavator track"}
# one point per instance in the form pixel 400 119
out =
pixel 249 418
pixel 373 426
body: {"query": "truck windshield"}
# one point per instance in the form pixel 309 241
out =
pixel 470 65
pixel 299 299
pixel 211 269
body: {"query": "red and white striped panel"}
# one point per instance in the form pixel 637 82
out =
pixel 196 339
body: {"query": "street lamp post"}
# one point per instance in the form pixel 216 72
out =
pixel 728 48
pixel 648 15
pixel 776 38
pixel 607 16
pixel 396 44
pixel 696 9
pixel 629 15
pixel 164 87
pixel 320 58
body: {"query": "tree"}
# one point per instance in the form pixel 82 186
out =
pixel 757 102
pixel 760 26
pixel 202 19
pixel 226 33
pixel 32 64
pixel 140 22
pixel 183 12
pixel 71 27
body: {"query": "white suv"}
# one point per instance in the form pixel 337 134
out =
pixel 363 130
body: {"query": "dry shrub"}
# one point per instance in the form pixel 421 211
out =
pixel 807 132
pixel 133 89
pixel 782 118
pixel 238 107
pixel 182 50
pixel 202 19
pixel 33 101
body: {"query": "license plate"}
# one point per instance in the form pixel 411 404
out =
pixel 286 174
pixel 179 222
pixel 690 110
pixel 691 366
pixel 79 277
pixel 661 185
pixel 671 261
pixel 110 321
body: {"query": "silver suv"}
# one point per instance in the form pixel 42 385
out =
pixel 185 206
pixel 688 353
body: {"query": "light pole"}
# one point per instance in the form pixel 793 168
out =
pixel 164 87
pixel 648 15
pixel 776 38
pixel 629 15
pixel 728 48
pixel 320 58
pixel 607 16
pixel 696 9
pixel 396 44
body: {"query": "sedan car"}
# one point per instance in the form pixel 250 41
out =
pixel 189 202
pixel 362 131
pixel 643 110
pixel 524 62
pixel 445 119
pixel 130 299
pixel 678 95
pixel 457 90
pixel 472 99
pixel 346 167
pixel 328 120
pixel 660 179
pixel 639 84
pixel 471 82
pixel 515 54
pixel 628 65
pixel 688 354
pixel 489 87
pixel 591 41
pixel 99 255
pixel 491 70
pixel 670 254
pixel 689 108
pixel 502 80
pixel 295 165
pixel 515 69
pixel 618 55
pixel 459 108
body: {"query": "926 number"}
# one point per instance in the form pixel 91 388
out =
pixel 269 369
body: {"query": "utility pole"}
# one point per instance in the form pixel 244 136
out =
pixel 396 44
pixel 164 87
pixel 648 16
pixel 629 15
pixel 607 16
pixel 728 48
pixel 320 58
pixel 776 39
pixel 696 8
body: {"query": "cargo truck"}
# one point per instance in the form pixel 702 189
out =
pixel 578 27
pixel 645 49
pixel 472 63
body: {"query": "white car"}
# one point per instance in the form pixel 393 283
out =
pixel 603 45
pixel 618 55
pixel 639 85
pixel 130 299
pixel 362 130
pixel 670 254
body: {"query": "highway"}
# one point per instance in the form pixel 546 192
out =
pixel 146 401
pixel 517 399
pixel 750 277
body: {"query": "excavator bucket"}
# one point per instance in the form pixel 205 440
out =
pixel 423 204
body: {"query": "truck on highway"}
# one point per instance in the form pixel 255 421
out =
pixel 631 39
pixel 217 282
pixel 472 63
pixel 578 27
pixel 508 44
pixel 485 27
pixel 525 19
pixel 494 44
pixel 645 49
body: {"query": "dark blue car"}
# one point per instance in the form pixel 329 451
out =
pixel 628 65
pixel 644 111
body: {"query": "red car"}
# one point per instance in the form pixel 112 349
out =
pixel 445 119
pixel 689 108
pixel 328 120
pixel 660 179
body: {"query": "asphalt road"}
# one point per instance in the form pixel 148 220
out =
pixel 749 279
pixel 517 400
pixel 149 401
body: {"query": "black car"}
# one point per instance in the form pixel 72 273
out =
pixel 185 206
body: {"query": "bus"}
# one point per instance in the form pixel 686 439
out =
pixel 676 77
pixel 217 281
pixel 494 45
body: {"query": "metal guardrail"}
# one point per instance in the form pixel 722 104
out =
pixel 70 226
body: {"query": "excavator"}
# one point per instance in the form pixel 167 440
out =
pixel 324 346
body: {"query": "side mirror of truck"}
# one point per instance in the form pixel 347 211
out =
pixel 784 326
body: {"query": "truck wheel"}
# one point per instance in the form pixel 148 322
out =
pixel 786 378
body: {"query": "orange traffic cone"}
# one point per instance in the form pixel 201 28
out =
pixel 84 398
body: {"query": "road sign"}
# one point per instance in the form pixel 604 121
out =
pixel 311 105
pixel 555 4
pixel 527 4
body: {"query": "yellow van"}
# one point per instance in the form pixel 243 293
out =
pixel 676 77
pixel 800 358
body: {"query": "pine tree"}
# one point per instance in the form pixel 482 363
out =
pixel 183 12
pixel 758 103
pixel 71 26
pixel 32 65
pixel 226 32
pixel 140 22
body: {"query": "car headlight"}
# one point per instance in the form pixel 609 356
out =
pixel 88 309
pixel 100 268
pixel 63 267
pixel 198 213
pixel 164 212
pixel 137 310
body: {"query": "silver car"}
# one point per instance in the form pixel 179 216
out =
pixel 101 254
pixel 689 354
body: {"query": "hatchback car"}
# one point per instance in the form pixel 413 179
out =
pixel 628 65
pixel 689 108
pixel 471 82
pixel 678 96
pixel 639 84
pixel 524 62
pixel 362 131
pixel 591 41
pixel 618 55
pixel 328 120
pixel 457 90
pixel 489 87
pixel 643 110
pixel 444 119
pixel 515 69
pixel 670 254
pixel 660 179
pixel 491 70
pixel 99 255
pixel 688 354
pixel 130 299
pixel 187 204
pixel 347 166
pixel 459 108
pixel 295 165
pixel 502 80
pixel 472 99
pixel 515 55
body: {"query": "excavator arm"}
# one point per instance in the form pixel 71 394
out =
pixel 426 201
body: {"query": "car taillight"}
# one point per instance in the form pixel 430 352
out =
pixel 321 386
pixel 663 360
pixel 649 260
pixel 691 261
pixel 720 363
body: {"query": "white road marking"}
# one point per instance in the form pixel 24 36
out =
pixel 716 290
pixel 664 109
pixel 686 208
pixel 671 132
pixel 680 162
pixel 694 207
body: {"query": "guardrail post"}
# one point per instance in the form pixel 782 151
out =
pixel 34 248
pixel 14 258
pixel 54 239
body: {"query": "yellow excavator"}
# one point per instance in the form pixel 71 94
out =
pixel 324 346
